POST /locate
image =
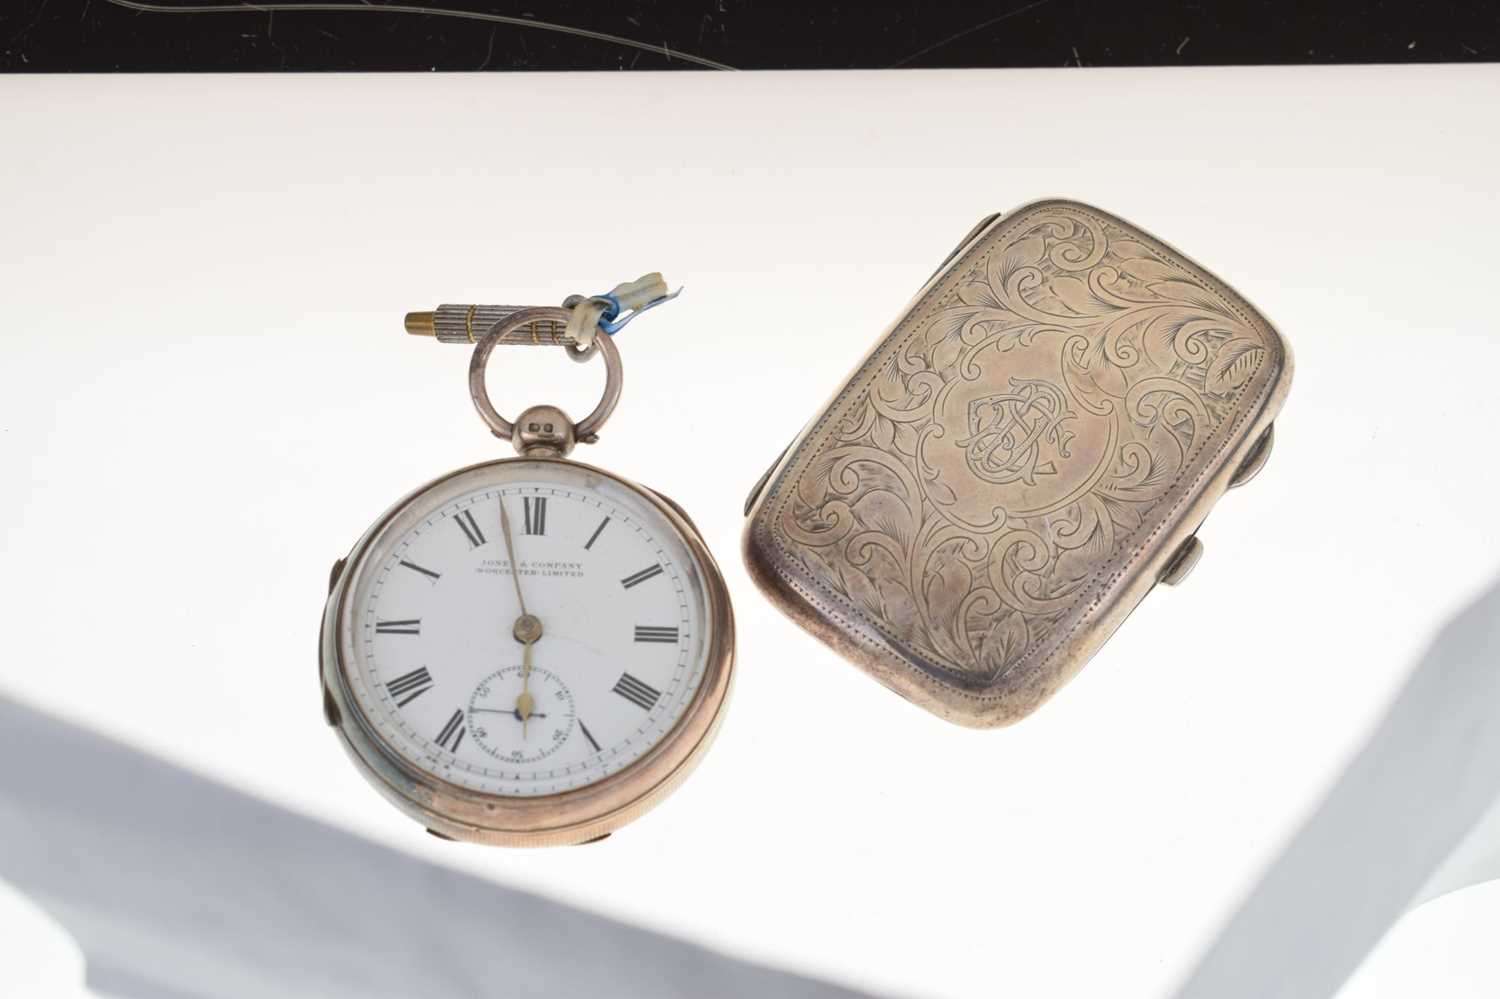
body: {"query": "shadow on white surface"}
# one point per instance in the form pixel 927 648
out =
pixel 205 394
pixel 177 886
pixel 1413 817
pixel 1444 949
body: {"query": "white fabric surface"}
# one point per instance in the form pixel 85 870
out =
pixel 206 396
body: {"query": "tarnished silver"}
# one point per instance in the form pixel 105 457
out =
pixel 586 431
pixel 1026 452
pixel 467 323
pixel 544 432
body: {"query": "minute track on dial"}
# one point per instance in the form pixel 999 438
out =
pixel 645 660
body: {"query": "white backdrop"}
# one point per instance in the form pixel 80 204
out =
pixel 206 397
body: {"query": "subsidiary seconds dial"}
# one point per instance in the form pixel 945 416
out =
pixel 528 631
pixel 507 733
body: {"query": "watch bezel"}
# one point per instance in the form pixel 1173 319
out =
pixel 572 816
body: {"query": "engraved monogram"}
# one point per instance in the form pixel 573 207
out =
pixel 1016 434
pixel 1007 432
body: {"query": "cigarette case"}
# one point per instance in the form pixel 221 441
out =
pixel 1026 451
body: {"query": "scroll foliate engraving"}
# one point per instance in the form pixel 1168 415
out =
pixel 1018 432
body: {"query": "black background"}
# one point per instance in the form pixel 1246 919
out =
pixel 95 35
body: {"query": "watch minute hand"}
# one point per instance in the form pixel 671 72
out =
pixel 510 553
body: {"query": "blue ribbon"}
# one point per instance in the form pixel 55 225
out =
pixel 610 321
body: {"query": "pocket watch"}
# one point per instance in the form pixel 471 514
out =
pixel 530 651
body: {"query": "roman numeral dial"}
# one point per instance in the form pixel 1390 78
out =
pixel 620 650
pixel 534 509
pixel 589 544
pixel 637 691
pixel 470 527
pixel 409 686
pixel 637 578
pixel 434 576
pixel 452 735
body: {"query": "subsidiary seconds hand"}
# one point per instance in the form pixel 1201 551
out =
pixel 506 711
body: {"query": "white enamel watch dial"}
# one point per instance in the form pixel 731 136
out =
pixel 427 641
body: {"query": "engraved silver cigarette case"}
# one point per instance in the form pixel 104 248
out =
pixel 1025 453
